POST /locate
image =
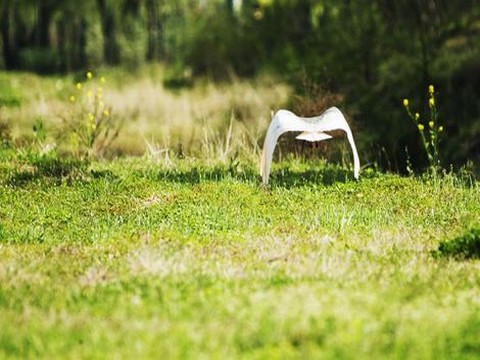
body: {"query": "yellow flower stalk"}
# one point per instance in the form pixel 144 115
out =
pixel 90 113
pixel 431 121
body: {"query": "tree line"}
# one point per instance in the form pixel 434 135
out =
pixel 373 53
pixel 60 36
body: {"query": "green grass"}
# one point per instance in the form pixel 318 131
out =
pixel 181 253
pixel 188 259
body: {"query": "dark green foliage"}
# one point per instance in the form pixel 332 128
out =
pixel 177 77
pixel 466 246
pixel 40 59
pixel 221 47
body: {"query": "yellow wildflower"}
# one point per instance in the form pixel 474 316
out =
pixel 417 116
pixel 106 113
pixel 79 86
pixel 431 102
pixel 431 123
pixel 440 128
pixel 421 127
pixel 405 102
pixel 431 89
pixel 72 98
pixel 89 75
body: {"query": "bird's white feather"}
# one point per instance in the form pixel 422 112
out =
pixel 312 128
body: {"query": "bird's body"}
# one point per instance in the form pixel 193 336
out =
pixel 311 128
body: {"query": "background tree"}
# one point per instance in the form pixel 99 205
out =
pixel 371 53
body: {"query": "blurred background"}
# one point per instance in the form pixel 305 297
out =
pixel 191 74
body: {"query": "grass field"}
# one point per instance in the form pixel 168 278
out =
pixel 132 258
pixel 190 257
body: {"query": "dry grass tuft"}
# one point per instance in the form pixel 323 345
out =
pixel 209 119
pixel 206 120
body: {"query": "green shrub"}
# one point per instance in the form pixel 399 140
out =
pixel 466 246
pixel 40 59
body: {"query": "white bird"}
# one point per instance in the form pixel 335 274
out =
pixel 313 129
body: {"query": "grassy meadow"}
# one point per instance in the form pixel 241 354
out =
pixel 179 252
pixel 194 120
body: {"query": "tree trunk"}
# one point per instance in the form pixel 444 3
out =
pixel 82 62
pixel 229 4
pixel 153 52
pixel 132 7
pixel 45 10
pixel 110 48
pixel 10 50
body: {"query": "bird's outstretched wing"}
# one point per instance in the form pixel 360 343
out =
pixel 312 128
